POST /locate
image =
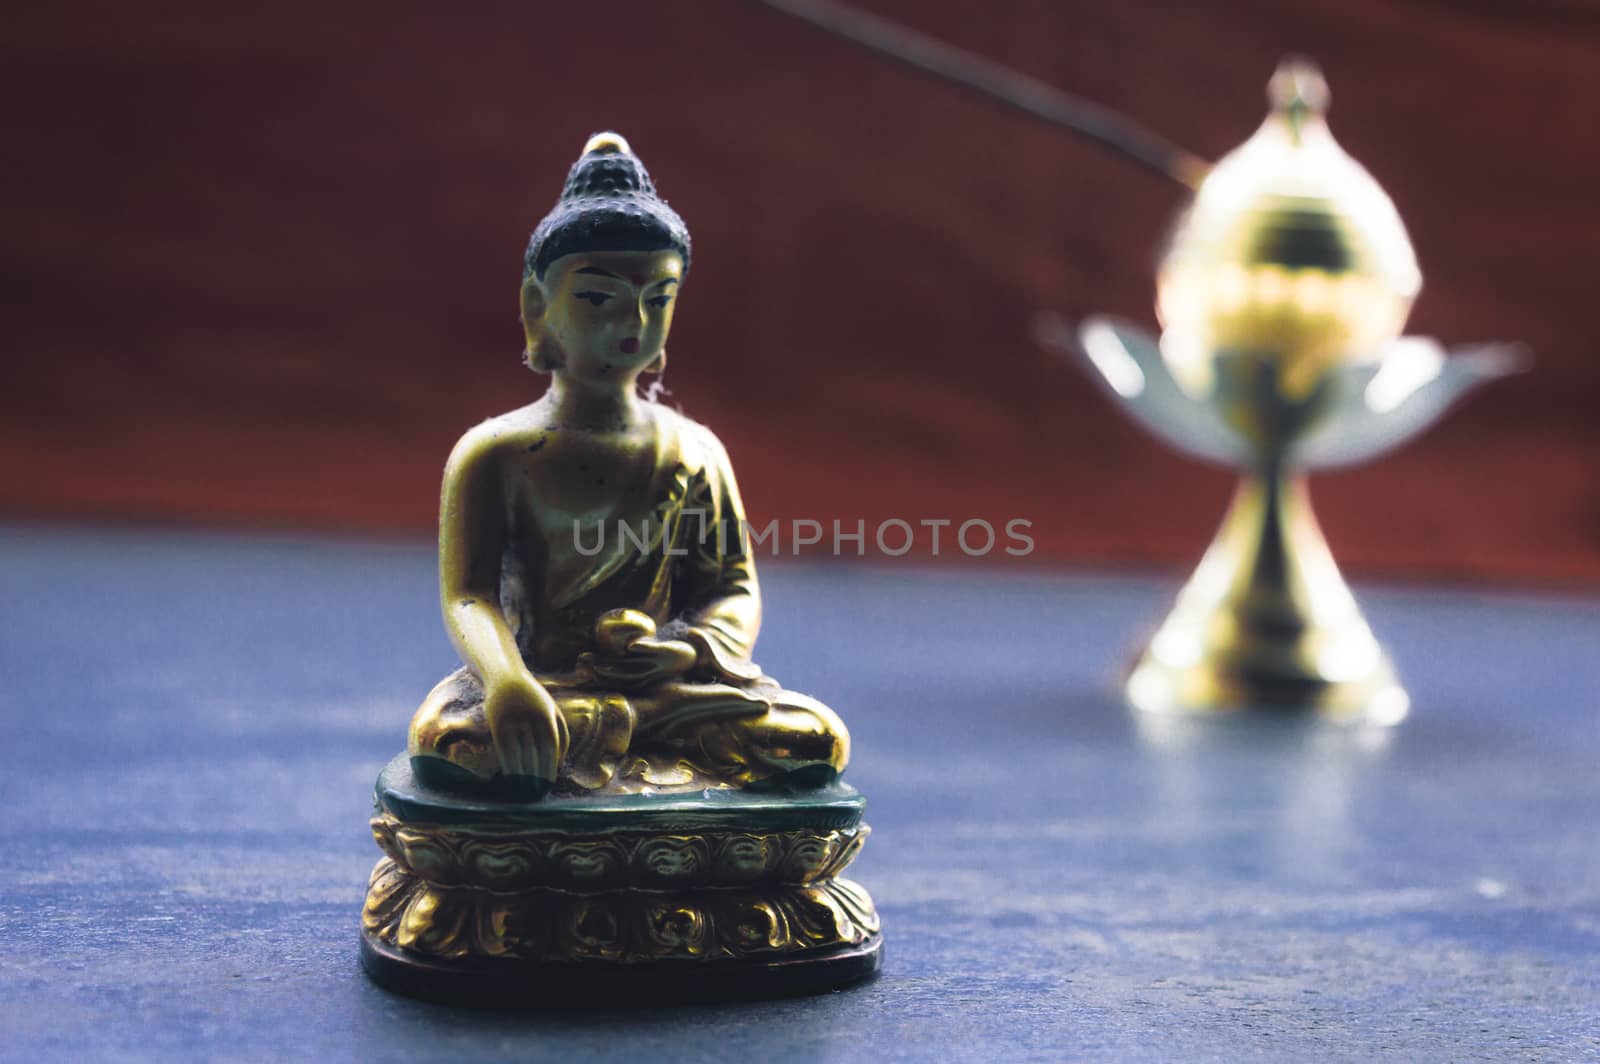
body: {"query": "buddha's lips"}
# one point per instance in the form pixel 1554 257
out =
pixel 629 346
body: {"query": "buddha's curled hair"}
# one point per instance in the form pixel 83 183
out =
pixel 609 203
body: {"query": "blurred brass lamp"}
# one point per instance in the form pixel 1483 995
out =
pixel 1281 298
pixel 1281 301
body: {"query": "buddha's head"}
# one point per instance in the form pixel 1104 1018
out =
pixel 602 271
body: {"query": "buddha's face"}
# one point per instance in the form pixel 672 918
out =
pixel 602 316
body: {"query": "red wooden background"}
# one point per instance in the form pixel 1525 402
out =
pixel 260 263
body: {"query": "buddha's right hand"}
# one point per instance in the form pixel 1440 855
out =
pixel 530 735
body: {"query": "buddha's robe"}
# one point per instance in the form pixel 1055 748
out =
pixel 677 552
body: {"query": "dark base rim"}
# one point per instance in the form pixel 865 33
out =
pixel 833 806
pixel 533 986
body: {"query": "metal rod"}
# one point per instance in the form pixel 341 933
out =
pixel 1032 97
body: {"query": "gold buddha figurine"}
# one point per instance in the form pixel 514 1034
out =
pixel 595 571
pixel 609 800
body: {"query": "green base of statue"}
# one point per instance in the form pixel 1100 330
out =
pixel 584 899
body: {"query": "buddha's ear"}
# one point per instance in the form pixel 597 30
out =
pixel 533 308
pixel 658 364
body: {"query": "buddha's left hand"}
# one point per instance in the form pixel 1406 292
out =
pixel 629 654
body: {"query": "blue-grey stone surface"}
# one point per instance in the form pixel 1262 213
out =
pixel 192 725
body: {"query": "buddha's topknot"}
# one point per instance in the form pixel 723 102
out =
pixel 609 203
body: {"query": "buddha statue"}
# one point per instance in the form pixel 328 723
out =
pixel 609 800
pixel 595 569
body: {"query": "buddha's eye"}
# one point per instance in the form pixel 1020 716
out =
pixel 658 301
pixel 594 298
